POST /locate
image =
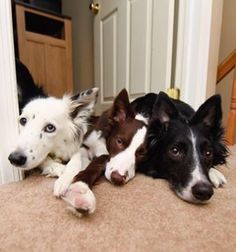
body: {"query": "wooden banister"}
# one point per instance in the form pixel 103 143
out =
pixel 223 69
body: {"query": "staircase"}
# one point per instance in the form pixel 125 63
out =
pixel 224 68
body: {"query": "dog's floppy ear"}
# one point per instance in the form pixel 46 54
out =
pixel 209 113
pixel 164 109
pixel 83 103
pixel 122 109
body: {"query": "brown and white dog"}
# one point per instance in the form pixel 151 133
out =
pixel 112 144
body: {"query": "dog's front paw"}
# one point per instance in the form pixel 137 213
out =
pixel 80 199
pixel 61 185
pixel 217 178
pixel 53 170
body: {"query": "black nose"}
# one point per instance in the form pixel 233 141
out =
pixel 202 191
pixel 17 158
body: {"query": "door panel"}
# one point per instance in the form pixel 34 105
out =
pixel 108 51
pixel 133 47
pixel 139 46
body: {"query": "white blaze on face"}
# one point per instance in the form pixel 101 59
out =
pixel 124 162
pixel 197 173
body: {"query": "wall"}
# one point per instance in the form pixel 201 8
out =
pixel 227 45
pixel 82 40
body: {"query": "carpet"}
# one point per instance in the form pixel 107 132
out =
pixel 144 215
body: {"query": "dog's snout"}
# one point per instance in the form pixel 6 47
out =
pixel 202 191
pixel 17 158
pixel 117 179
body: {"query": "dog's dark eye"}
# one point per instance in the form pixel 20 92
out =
pixel 49 128
pixel 208 153
pixel 119 141
pixel 23 121
pixel 174 151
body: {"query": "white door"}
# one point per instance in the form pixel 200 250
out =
pixel 133 47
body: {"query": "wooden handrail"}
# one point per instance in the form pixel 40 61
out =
pixel 224 68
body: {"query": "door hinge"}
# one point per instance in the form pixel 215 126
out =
pixel 173 93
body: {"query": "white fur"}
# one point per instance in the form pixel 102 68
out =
pixel 140 117
pixel 63 144
pixel 79 191
pixel 217 178
pixel 52 168
pixel 197 174
pixel 39 113
pixel 124 162
pixel 79 196
pixel 96 143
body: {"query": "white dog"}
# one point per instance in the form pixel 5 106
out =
pixel 51 134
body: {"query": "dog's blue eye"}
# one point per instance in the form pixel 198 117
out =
pixel 23 121
pixel 49 128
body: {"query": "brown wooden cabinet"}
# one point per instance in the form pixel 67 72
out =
pixel 44 45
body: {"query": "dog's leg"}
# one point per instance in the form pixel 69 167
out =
pixel 79 196
pixel 217 178
pixel 78 162
pixel 52 168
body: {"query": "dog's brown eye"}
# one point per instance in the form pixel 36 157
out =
pixel 175 153
pixel 49 128
pixel 119 141
pixel 23 121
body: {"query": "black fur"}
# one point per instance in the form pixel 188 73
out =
pixel 168 152
pixel 27 89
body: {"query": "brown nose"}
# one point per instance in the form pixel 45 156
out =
pixel 117 179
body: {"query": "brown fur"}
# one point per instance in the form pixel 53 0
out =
pixel 118 126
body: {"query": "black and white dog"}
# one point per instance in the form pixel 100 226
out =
pixel 183 146
pixel 51 134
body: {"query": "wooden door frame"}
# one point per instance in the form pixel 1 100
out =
pixel 8 95
pixel 196 67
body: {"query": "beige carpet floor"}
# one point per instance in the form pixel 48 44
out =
pixel 144 215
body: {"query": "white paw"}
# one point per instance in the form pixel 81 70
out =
pixel 217 178
pixel 80 199
pixel 53 170
pixel 61 185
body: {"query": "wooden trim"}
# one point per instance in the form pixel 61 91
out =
pixel 68 39
pixel 44 39
pixel 36 8
pixel 8 95
pixel 231 123
pixel 226 66
pixel 40 13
